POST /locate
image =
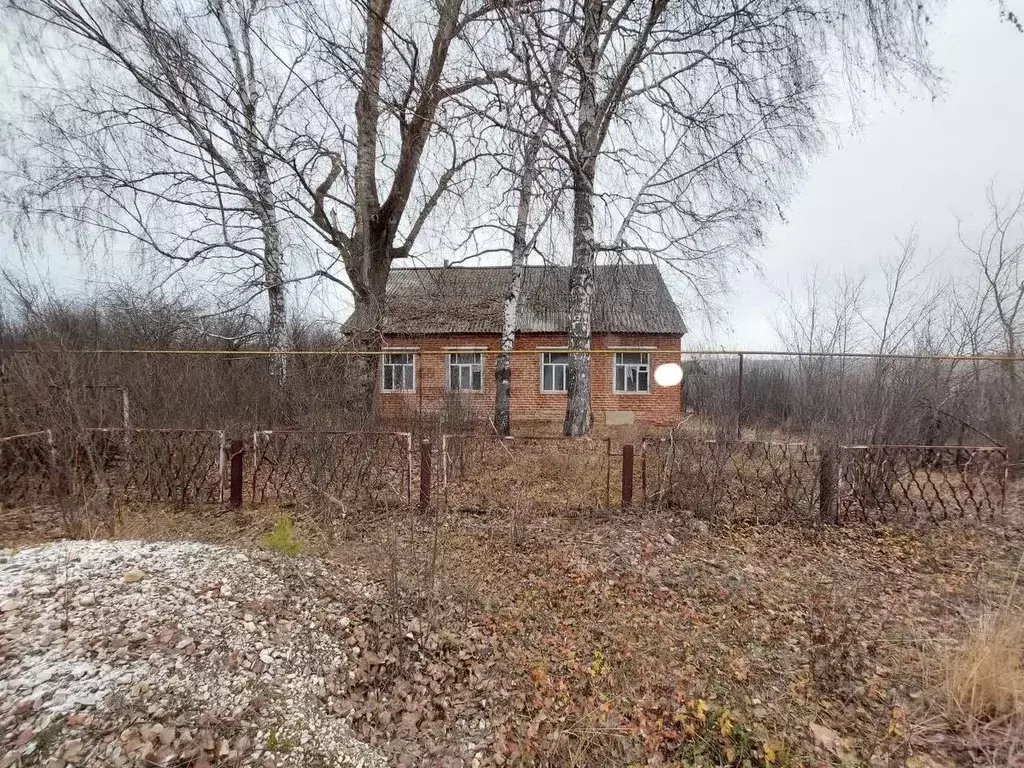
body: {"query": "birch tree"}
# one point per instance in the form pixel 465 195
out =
pixel 157 128
pixel 529 137
pixel 679 124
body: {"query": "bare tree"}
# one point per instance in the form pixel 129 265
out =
pixel 529 136
pixel 676 123
pixel 161 133
pixel 993 318
pixel 368 184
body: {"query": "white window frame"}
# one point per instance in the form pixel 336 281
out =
pixel 644 366
pixel 565 379
pixel 412 363
pixel 452 352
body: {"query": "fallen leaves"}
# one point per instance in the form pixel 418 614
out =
pixel 831 742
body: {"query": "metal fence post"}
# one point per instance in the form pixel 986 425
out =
pixel 1014 455
pixel 425 470
pixel 627 475
pixel 827 484
pixel 236 453
pixel 739 400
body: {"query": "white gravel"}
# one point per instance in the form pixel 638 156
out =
pixel 136 653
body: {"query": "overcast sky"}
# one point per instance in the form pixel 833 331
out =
pixel 916 164
pixel 913 163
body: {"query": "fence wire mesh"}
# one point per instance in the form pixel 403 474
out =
pixel 748 480
pixel 167 465
pixel 26 468
pixel 348 467
pixel 761 481
pixel 895 482
pixel 481 473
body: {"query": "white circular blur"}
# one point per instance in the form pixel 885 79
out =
pixel 668 374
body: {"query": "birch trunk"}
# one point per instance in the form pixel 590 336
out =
pixel 277 327
pixel 262 195
pixel 273 258
pixel 578 418
pixel 510 307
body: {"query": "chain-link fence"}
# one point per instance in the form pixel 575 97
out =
pixel 855 398
pixel 168 465
pixel 900 482
pixel 721 479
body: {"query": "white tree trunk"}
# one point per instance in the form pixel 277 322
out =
pixel 578 418
pixel 277 325
pixel 510 307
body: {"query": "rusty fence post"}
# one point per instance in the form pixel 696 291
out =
pixel 827 485
pixel 236 462
pixel 627 475
pixel 425 469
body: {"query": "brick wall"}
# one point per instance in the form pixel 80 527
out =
pixel 660 406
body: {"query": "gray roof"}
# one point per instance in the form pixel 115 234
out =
pixel 628 298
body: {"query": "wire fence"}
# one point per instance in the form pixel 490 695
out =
pixel 340 467
pixel 715 479
pixel 856 398
pixel 168 465
pixel 751 480
pixel 784 397
pixel 767 482
pixel 894 482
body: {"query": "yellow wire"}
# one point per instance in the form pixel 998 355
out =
pixel 328 353
pixel 448 351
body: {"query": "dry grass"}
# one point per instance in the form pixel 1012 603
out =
pixel 982 681
pixel 985 675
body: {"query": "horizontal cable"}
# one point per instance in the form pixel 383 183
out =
pixel 469 350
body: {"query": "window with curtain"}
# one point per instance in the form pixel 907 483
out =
pixel 632 372
pixel 465 372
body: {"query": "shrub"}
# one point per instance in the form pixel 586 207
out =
pixel 282 538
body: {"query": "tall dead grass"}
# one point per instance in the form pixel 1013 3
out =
pixel 984 680
pixel 983 683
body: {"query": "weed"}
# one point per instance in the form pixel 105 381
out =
pixel 283 538
pixel 278 743
pixel 48 737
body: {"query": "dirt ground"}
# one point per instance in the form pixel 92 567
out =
pixel 629 639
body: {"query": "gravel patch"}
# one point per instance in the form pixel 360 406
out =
pixel 159 654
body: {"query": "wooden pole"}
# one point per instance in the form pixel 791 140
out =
pixel 827 486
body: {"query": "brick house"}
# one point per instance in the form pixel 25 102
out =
pixel 441 338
